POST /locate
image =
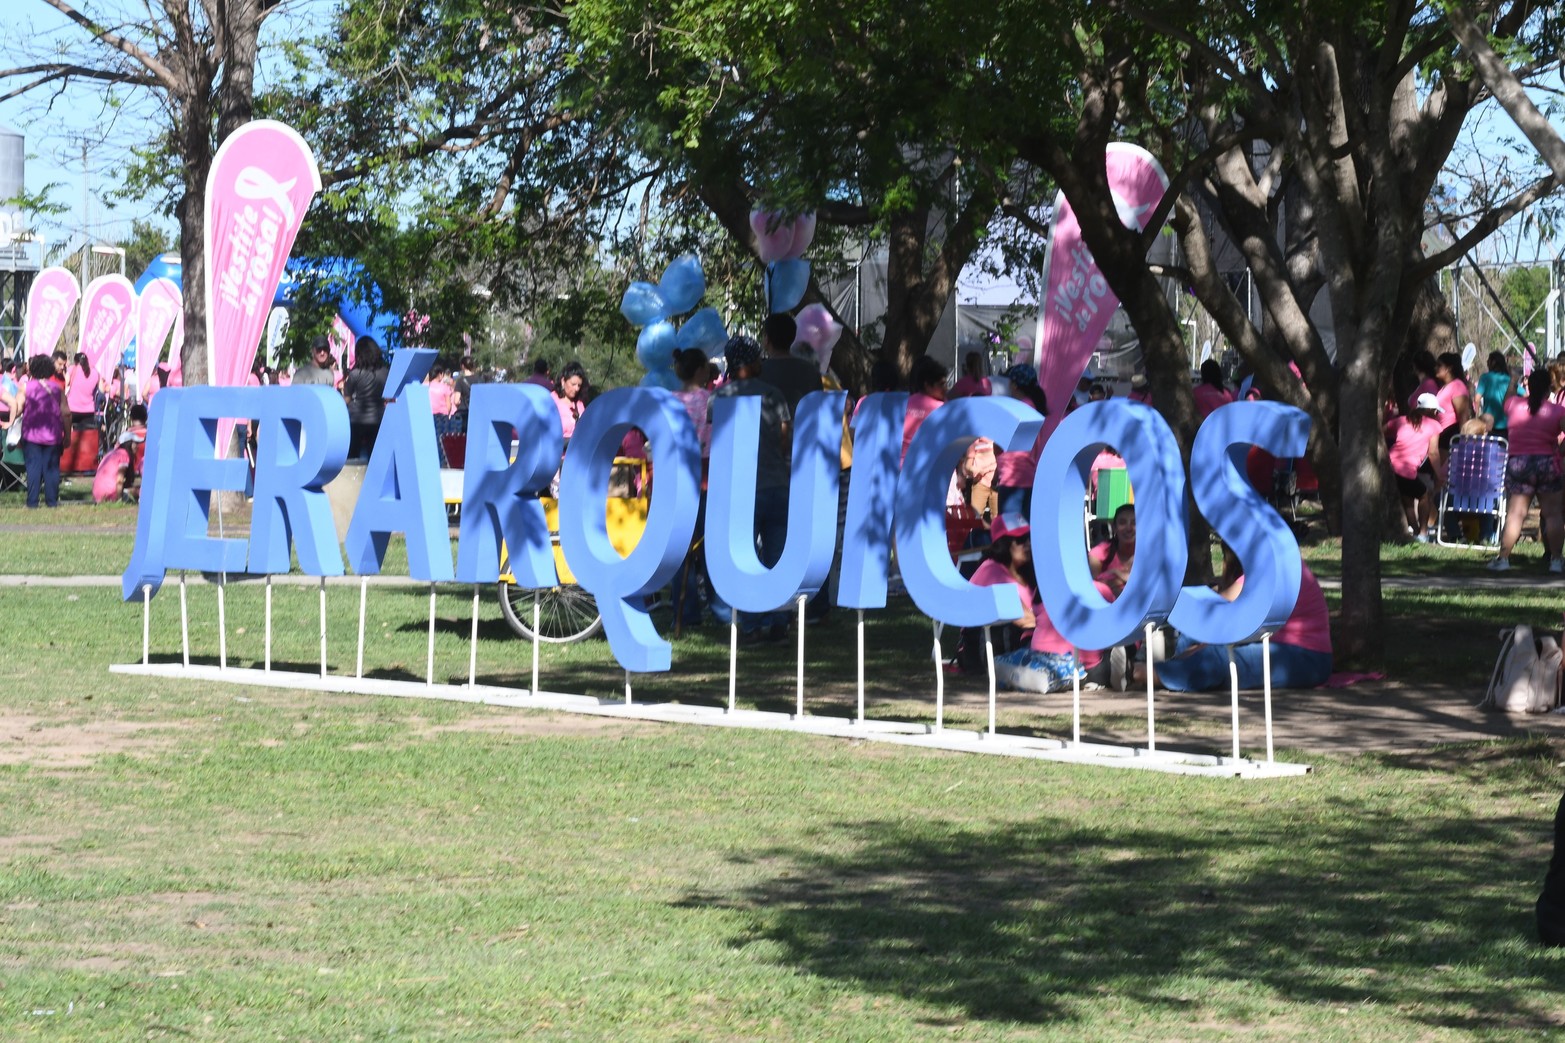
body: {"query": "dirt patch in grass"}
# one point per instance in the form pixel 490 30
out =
pixel 535 723
pixel 28 740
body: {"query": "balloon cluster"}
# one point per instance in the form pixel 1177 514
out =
pixel 781 244
pixel 652 307
pixel 818 328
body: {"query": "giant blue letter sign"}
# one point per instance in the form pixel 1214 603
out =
pixel 931 576
pixel 866 535
pixel 182 470
pixel 402 493
pixel 1059 551
pixel 1265 545
pixel 618 583
pixel 737 573
pixel 499 496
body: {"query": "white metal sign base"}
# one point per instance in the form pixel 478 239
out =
pixel 900 732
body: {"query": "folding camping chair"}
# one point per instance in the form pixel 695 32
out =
pixel 13 469
pixel 1475 485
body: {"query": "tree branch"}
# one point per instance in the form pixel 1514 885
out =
pixel 118 43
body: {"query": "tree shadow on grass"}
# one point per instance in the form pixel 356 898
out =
pixel 1427 917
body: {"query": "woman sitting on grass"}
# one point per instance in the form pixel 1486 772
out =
pixel 1301 648
pixel 1111 560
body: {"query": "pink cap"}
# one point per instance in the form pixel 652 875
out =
pixel 1012 524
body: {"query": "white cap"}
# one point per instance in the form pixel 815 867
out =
pixel 1429 402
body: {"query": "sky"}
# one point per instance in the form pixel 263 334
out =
pixel 56 136
pixel 54 139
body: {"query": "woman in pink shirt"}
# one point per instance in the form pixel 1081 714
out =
pixel 1211 394
pixel 1534 425
pixel 568 390
pixel 441 397
pixel 1045 662
pixel 972 382
pixel 1454 396
pixel 1300 652
pixel 81 384
pixel 1110 561
pixel 1410 441
pixel 928 384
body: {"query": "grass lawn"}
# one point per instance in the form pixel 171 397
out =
pixel 196 861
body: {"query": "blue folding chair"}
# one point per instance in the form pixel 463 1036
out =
pixel 1475 488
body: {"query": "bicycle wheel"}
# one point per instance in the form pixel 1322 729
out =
pixel 565 613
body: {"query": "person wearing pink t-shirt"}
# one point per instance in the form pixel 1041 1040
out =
pixel 1211 394
pixel 81 385
pixel 568 392
pixel 440 391
pixel 928 383
pixel 1534 425
pixel 1410 441
pixel 1300 649
pixel 1045 662
pixel 972 382
pixel 1110 561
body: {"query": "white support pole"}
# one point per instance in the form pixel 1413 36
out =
pixel 472 645
pixel 1266 689
pixel 733 658
pixel 989 660
pixel 627 687
pixel 940 681
pixel 535 645
pixel 1233 692
pixel 798 697
pixel 429 660
pixel 268 625
pixel 1151 720
pixel 860 719
pixel 364 596
pixel 1075 707
pixel 146 623
pixel 323 626
pixel 222 622
pixel 184 622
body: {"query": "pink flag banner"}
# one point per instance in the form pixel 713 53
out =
pixel 261 183
pixel 162 312
pixel 1077 301
pixel 50 302
pixel 108 310
pixel 341 340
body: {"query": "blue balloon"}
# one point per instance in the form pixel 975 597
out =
pixel 656 345
pixel 704 331
pixel 663 378
pixel 682 284
pixel 786 282
pixel 642 304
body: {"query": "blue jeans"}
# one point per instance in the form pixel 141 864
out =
pixel 43 470
pixel 1204 668
pixel 771 529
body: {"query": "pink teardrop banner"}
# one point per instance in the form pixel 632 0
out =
pixel 108 309
pixel 162 311
pixel 261 183
pixel 1077 302
pixel 50 301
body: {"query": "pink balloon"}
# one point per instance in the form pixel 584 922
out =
pixel 817 328
pixel 771 245
pixel 803 234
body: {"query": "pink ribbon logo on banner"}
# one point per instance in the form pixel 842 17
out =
pixel 106 320
pixel 53 296
pixel 262 181
pixel 162 311
pixel 1077 302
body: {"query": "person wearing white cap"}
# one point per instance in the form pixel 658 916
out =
pixel 1410 440
pixel 1534 425
pixel 116 472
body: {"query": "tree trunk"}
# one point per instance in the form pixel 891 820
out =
pixel 196 153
